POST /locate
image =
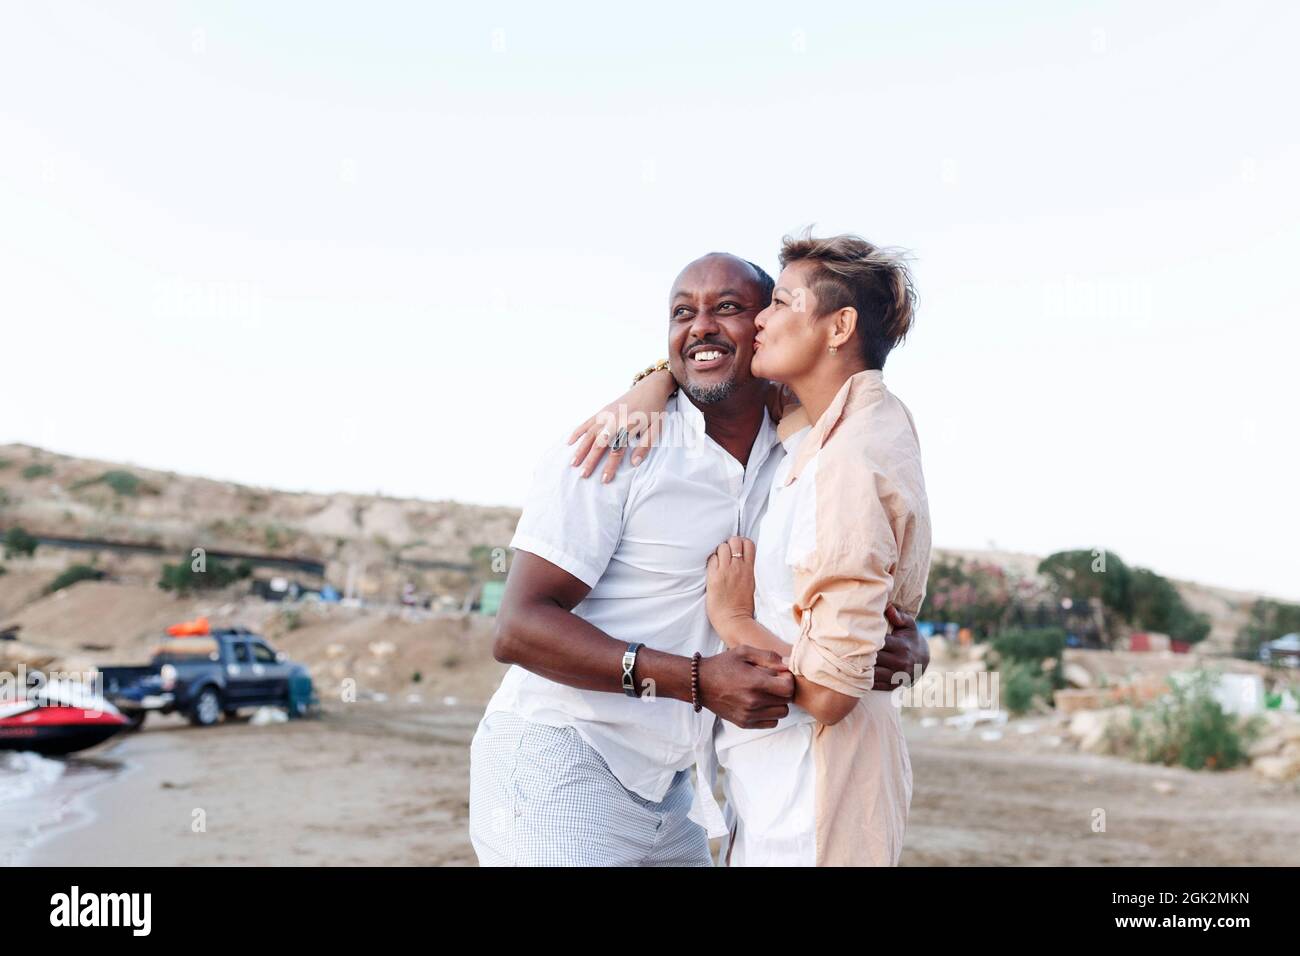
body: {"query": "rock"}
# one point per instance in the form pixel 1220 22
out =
pixel 1076 675
pixel 335 650
pixel 1266 746
pixel 1163 786
pixel 1284 766
pixel 1083 722
pixel 382 648
pixel 1094 729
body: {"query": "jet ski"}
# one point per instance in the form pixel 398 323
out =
pixel 57 719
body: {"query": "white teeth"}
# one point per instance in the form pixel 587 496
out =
pixel 706 356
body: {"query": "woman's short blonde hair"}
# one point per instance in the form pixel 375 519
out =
pixel 849 271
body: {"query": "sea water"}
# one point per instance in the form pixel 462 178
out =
pixel 40 796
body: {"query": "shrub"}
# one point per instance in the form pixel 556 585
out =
pixel 1034 648
pixel 972 594
pixel 1190 728
pixel 32 472
pixel 5 463
pixel 1021 683
pixel 18 543
pixel 78 572
pixel 123 483
pixel 182 578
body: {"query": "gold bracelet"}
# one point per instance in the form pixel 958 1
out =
pixel 649 370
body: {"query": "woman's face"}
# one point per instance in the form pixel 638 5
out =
pixel 788 340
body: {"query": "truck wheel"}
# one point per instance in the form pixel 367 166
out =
pixel 207 709
pixel 135 719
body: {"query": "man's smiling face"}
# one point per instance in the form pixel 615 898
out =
pixel 711 326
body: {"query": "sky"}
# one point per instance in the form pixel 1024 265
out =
pixel 402 248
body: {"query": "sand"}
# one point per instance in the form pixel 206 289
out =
pixel 387 784
pixel 367 784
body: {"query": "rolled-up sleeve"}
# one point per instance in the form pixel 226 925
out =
pixel 844 581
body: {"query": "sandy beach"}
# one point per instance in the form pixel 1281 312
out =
pixel 364 785
pixel 386 784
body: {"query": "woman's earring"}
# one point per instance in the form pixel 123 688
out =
pixel 834 349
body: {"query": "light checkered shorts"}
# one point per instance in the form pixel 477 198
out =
pixel 542 796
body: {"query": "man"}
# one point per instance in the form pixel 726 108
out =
pixel 583 754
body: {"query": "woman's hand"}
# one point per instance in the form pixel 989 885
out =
pixel 639 411
pixel 729 589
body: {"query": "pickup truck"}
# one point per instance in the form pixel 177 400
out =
pixel 205 677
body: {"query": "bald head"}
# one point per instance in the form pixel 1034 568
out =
pixel 726 267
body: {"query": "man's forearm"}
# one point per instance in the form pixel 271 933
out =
pixel 560 646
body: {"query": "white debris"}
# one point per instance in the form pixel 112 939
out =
pixel 268 715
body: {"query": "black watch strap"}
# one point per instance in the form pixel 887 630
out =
pixel 629 662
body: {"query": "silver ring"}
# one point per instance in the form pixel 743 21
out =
pixel 620 440
pixel 734 555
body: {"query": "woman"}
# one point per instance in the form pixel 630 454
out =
pixel 846 532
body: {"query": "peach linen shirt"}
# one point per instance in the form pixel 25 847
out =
pixel 861 541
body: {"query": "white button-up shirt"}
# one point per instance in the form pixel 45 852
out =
pixel 641 542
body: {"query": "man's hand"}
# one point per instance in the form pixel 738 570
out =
pixel 749 687
pixel 905 652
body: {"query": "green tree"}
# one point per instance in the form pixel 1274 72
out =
pixel 1081 575
pixel 1157 606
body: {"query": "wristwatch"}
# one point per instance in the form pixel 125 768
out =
pixel 629 662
